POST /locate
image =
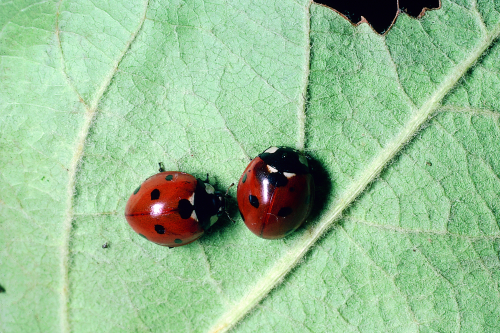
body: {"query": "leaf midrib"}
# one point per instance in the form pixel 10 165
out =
pixel 294 255
pixel 90 111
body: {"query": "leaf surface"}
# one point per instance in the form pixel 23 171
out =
pixel 404 130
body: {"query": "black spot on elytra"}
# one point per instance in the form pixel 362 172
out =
pixel 177 241
pixel 185 208
pixel 277 179
pixel 155 194
pixel 253 201
pixel 169 177
pixel 244 178
pixel 284 211
pixel 159 229
pixel 242 217
pixel 137 189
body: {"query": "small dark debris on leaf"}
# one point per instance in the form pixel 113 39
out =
pixel 382 14
pixel 2 289
pixel 105 245
pixel 428 163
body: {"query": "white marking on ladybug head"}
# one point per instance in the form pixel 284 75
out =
pixel 288 174
pixel 213 219
pixel 209 188
pixel 271 169
pixel 303 160
pixel 191 199
pixel 271 150
pixel 193 216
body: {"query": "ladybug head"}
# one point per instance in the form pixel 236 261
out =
pixel 285 159
pixel 209 204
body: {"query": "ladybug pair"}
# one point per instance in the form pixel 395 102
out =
pixel 275 195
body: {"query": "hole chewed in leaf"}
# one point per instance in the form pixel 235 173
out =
pixel 380 15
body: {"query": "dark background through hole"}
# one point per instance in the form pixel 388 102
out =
pixel 380 14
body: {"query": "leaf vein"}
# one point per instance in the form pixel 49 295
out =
pixel 403 230
pixel 476 111
pixel 75 163
pixel 293 256
pixel 389 276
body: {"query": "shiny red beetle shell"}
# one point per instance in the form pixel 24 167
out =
pixel 273 211
pixel 153 209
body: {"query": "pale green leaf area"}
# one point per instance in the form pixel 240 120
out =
pixel 403 128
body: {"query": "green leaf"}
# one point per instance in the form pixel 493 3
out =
pixel 404 129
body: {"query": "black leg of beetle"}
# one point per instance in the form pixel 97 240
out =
pixel 230 218
pixel 170 247
pixel 206 181
pixel 162 168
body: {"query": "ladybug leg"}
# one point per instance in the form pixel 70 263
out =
pixel 206 181
pixel 230 218
pixel 162 168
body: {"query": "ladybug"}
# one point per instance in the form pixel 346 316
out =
pixel 275 193
pixel 173 208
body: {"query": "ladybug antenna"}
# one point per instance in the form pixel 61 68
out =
pixel 206 181
pixel 225 203
pixel 162 168
pixel 227 191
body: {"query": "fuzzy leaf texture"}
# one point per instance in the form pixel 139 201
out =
pixel 404 127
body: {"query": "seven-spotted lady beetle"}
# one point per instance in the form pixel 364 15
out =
pixel 275 192
pixel 173 208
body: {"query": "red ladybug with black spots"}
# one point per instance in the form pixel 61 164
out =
pixel 275 193
pixel 173 208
